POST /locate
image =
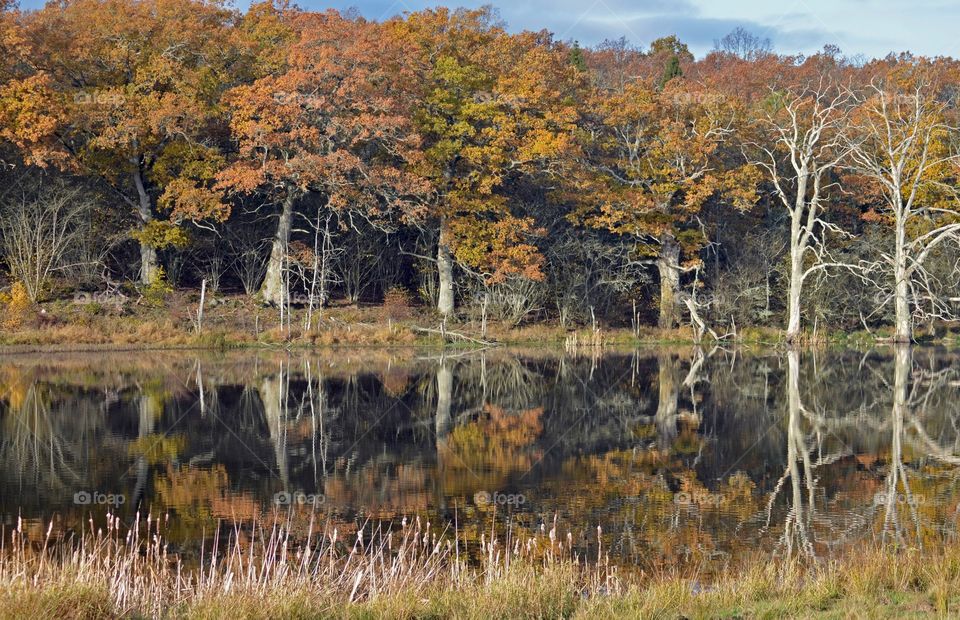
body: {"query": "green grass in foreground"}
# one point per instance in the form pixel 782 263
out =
pixel 416 573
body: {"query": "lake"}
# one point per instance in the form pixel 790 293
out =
pixel 682 457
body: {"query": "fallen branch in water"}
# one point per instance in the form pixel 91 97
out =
pixel 446 334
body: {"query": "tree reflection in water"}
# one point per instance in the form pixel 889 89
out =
pixel 683 456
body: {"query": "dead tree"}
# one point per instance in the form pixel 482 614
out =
pixel 807 141
pixel 903 146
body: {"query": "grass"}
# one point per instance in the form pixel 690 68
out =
pixel 261 570
pixel 240 321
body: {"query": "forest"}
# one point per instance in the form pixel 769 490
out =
pixel 301 161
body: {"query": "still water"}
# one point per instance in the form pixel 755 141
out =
pixel 682 457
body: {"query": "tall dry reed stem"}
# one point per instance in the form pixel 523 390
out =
pixel 134 564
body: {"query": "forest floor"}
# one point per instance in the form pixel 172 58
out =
pixel 239 321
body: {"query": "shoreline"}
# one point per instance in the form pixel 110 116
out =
pixel 243 323
pixel 612 340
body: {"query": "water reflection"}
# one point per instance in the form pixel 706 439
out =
pixel 682 456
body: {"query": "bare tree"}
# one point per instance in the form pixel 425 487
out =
pixel 904 147
pixel 807 131
pixel 743 290
pixel 250 253
pixel 744 44
pixel 39 229
pixel 513 300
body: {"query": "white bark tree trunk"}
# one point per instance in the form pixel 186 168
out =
pixel 445 302
pixel 798 245
pixel 901 293
pixel 272 395
pixel 444 398
pixel 794 296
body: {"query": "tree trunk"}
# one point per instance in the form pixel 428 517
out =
pixel 901 299
pixel 795 531
pixel 272 288
pixel 272 394
pixel 903 365
pixel 150 408
pixel 445 271
pixel 793 304
pixel 148 253
pixel 796 279
pixel 325 253
pixel 666 417
pixel 669 267
pixel 444 398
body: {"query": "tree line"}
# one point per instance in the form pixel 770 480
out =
pixel 304 156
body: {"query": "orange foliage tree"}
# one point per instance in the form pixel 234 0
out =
pixel 126 93
pixel 492 106
pixel 329 118
pixel 28 114
pixel 650 159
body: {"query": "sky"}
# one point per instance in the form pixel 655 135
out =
pixel 872 28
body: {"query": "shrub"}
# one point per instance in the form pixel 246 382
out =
pixel 93 308
pixel 17 306
pixel 155 294
pixel 158 234
pixel 397 302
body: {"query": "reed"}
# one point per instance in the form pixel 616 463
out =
pixel 130 570
pixel 412 569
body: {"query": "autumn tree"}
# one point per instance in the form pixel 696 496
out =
pixel 126 93
pixel 7 40
pixel 670 52
pixel 651 160
pixel 8 34
pixel 905 149
pixel 493 106
pixel 330 120
pixel 28 110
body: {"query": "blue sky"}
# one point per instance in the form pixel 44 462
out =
pixel 872 28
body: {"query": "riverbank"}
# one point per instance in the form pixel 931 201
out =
pixel 416 572
pixel 238 321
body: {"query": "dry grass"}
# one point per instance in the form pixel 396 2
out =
pixel 241 321
pixel 414 571
pixel 261 570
